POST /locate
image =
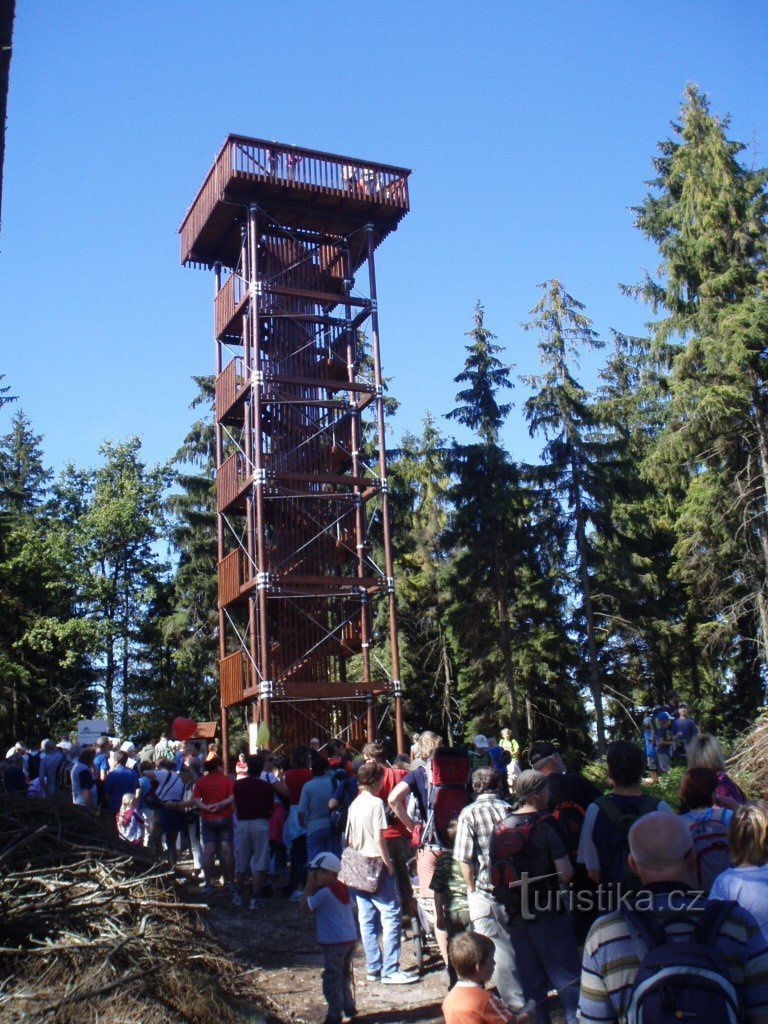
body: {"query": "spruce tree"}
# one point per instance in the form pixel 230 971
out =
pixel 560 409
pixel 24 479
pixel 190 623
pixel 707 213
pixel 485 511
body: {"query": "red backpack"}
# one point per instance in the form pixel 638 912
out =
pixel 509 856
pixel 448 776
pixel 709 836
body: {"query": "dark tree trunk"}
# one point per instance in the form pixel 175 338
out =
pixel 7 13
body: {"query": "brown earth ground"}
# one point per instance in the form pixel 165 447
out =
pixel 277 949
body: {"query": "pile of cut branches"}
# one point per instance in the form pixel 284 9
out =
pixel 92 930
pixel 749 760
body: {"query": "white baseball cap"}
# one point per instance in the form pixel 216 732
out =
pixel 326 861
pixel 480 742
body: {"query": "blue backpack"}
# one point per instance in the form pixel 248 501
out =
pixel 686 980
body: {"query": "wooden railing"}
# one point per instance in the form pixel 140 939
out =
pixel 231 477
pixel 229 386
pixel 232 678
pixel 305 169
pixel 230 577
pixel 207 197
pixel 319 171
pixel 227 301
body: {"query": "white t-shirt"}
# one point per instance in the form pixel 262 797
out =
pixel 365 823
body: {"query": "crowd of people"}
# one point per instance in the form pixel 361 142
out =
pixel 533 880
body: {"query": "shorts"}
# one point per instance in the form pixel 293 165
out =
pixel 252 850
pixel 217 830
pixel 172 821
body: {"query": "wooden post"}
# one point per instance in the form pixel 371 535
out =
pixel 385 519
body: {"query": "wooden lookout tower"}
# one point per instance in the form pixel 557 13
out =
pixel 290 235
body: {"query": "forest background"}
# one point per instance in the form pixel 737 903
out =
pixel 560 597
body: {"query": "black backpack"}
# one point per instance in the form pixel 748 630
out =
pixel 686 980
pixel 340 814
pixel 33 765
pixel 617 869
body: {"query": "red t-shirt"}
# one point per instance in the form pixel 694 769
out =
pixel 391 778
pixel 212 788
pixel 254 798
pixel 295 778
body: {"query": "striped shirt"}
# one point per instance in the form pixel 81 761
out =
pixel 612 954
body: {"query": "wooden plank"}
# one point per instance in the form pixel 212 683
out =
pixel 323 478
pixel 326 383
pixel 322 298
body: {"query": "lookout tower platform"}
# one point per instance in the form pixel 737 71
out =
pixel 300 446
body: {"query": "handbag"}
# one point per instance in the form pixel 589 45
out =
pixel 360 872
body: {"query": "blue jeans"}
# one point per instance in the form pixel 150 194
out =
pixel 380 912
pixel 322 840
pixel 547 957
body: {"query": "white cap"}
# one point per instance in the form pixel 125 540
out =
pixel 64 745
pixel 314 740
pixel 128 747
pixel 480 742
pixel 326 861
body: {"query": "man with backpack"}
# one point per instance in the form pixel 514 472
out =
pixel 604 841
pixel 570 794
pixel 671 955
pixel 529 862
pixel 472 850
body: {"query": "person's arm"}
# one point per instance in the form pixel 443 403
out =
pixel 381 842
pixel 468 874
pixel 564 869
pixel 594 999
pixel 309 890
pixel 587 854
pixel 398 800
pixel 281 789
pixel 303 808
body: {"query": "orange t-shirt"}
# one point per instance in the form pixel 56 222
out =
pixel 212 788
pixel 471 1004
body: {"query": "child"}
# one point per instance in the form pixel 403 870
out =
pixel 472 956
pixel 329 899
pixel 130 821
pixel 451 901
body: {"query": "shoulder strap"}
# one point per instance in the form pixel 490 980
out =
pixel 610 807
pixel 166 785
pixel 712 920
pixel 647 804
pixel 647 927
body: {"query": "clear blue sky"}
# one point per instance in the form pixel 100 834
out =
pixel 530 128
